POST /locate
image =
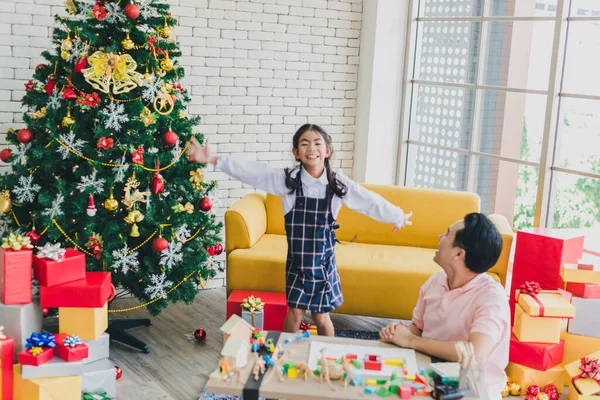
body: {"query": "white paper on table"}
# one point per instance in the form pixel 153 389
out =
pixel 338 350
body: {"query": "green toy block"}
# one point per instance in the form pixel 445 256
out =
pixel 317 372
pixel 381 381
pixel 356 364
pixel 394 376
pixel 394 389
pixel 288 365
pixel 383 392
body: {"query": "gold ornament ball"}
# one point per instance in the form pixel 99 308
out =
pixel 541 396
pixel 64 55
pixel 66 45
pixel 111 204
pixel 128 44
pixel 5 202
pixel 165 32
pixel 515 389
pixel 506 391
pixel 167 64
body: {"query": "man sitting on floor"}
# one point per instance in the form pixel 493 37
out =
pixel 462 303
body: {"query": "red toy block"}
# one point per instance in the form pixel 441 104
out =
pixel 7 351
pixel 91 292
pixel 372 357
pixel 68 269
pixel 26 358
pixel 275 308
pixel 15 276
pixel 351 356
pixel 70 353
pixel 405 391
pixel 373 365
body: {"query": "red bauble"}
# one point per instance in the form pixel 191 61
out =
pixel 131 11
pixel 34 237
pixel 69 93
pixel 25 136
pixel 218 248
pixel 170 138
pixel 118 372
pixel 552 394
pixel 205 204
pixel 550 388
pixel 210 250
pixel 530 397
pixel 50 87
pixel 5 155
pixel 45 312
pixel 533 390
pixel 158 183
pixel 200 335
pixel 159 244
pixel 81 64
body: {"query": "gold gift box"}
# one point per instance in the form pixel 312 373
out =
pixel 536 329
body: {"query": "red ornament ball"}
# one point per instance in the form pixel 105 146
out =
pixel 210 250
pixel 81 64
pixel 45 312
pixel 552 394
pixel 550 388
pixel 530 397
pixel 170 138
pixel 159 244
pixel 534 390
pixel 200 335
pixel 118 372
pixel 5 155
pixel 131 11
pixel 205 204
pixel 218 248
pixel 34 237
pixel 25 136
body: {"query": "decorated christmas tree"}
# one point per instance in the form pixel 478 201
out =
pixel 101 165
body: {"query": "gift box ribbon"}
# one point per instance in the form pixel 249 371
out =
pixel 16 242
pixel 40 340
pixel 590 368
pixel 532 288
pixel 253 304
pixel 52 251
pixel 72 341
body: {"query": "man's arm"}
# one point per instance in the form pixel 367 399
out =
pixel 482 345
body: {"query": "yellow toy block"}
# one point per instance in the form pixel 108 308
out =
pixel 410 378
pixel 371 382
pixel 87 323
pixel 270 347
pixel 292 373
pixel 394 362
pixel 59 388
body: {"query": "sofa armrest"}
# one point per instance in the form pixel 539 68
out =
pixel 508 235
pixel 245 222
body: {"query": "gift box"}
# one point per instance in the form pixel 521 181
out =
pixel 585 374
pixel 31 357
pixel 19 321
pixel 70 267
pixel 275 307
pixel 97 349
pixel 70 348
pixel 254 318
pixel 91 292
pixel 545 303
pixel 577 347
pixel 526 376
pixel 15 276
pixel 53 368
pixel 7 351
pixel 575 395
pixel 58 388
pixel 570 273
pixel 87 323
pixel 587 320
pixel 536 329
pixel 540 356
pixel 100 377
pixel 584 290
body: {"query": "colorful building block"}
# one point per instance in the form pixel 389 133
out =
pixel 355 363
pixel 370 390
pixel 384 392
pixel 394 362
pixel 373 365
pixel 372 357
pixel 405 391
pixel 360 381
pixel 350 356
pixel 394 388
pixel 87 323
pixel 255 347
pixel 292 373
pixel 371 382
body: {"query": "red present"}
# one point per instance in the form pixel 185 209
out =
pixel 585 290
pixel 275 308
pixel 70 353
pixel 69 268
pixel 91 292
pixel 15 276
pixel 540 356
pixel 7 353
pixel 26 358
pixel 539 255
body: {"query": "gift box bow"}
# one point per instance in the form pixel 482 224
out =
pixel 532 288
pixel 252 304
pixel 72 341
pixel 16 242
pixel 40 340
pixel 52 251
pixel 97 396
pixel 590 368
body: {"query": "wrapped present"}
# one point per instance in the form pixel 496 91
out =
pixel 306 327
pixel 99 377
pixel 576 347
pixel 70 347
pixel 15 270
pixel 536 329
pixel 35 356
pixel 19 321
pixel 275 307
pixel 58 388
pixel 91 292
pixel 87 323
pixel 97 349
pixel 575 395
pixel 7 350
pixel 541 356
pixel 543 303
pixel 252 311
pixel 53 368
pixel 525 376
pixel 570 273
pixel 584 290
pixel 95 396
pixel 585 374
pixel 54 266
pixel 587 320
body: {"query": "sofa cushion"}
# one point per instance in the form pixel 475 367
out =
pixel 372 276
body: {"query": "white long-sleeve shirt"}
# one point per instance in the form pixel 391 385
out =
pixel 270 180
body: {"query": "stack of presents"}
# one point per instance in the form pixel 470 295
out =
pixel 555 305
pixel 36 365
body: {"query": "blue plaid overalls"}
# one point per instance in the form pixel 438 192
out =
pixel 312 279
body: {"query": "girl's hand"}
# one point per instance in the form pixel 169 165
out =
pixel 387 334
pixel 201 154
pixel 404 223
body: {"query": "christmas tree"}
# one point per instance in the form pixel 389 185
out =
pixel 101 165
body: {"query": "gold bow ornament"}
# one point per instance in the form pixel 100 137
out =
pixel 253 304
pixel 16 242
pixel 110 68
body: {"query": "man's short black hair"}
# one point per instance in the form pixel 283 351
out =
pixel 481 241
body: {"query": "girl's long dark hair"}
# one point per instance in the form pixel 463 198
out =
pixel 336 187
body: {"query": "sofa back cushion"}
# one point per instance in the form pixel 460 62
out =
pixel 433 212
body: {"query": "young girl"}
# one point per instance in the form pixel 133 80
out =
pixel 312 197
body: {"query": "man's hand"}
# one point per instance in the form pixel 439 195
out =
pixel 387 333
pixel 403 337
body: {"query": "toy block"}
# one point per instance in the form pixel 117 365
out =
pixel 371 382
pixel 356 364
pixel 370 390
pixel 405 392
pixel 394 388
pixel 255 346
pixel 350 356
pixel 288 365
pixel 394 362
pixel 359 380
pixel 331 358
pixel 261 341
pixel 383 392
pixel 270 347
pixel 410 377
pixel 372 357
pixel 424 392
pixel 381 381
pixel 394 376
pixel 292 373
pixel 405 370
pixel 373 365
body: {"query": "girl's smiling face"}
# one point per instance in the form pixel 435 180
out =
pixel 312 150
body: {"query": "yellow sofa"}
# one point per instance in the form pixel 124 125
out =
pixel 381 272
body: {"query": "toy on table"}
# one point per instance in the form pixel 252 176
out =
pixel 350 376
pixel 298 337
pixel 278 369
pixel 329 371
pixel 259 366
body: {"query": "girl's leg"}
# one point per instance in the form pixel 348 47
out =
pixel 293 319
pixel 324 324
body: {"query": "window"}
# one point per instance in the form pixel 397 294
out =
pixel 502 97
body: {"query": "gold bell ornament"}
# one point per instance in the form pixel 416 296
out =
pixel 68 120
pixel 135 232
pixel 166 31
pixel 5 202
pixel 127 43
pixel 111 204
pixel 133 218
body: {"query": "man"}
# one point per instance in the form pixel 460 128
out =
pixel 462 303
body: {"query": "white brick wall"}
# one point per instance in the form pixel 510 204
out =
pixel 257 70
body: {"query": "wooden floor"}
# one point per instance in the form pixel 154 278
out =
pixel 177 367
